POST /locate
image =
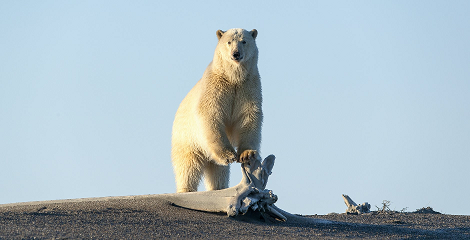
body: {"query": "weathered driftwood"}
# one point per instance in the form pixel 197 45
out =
pixel 353 208
pixel 249 194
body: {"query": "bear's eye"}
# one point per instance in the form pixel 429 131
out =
pixel 229 43
pixel 243 41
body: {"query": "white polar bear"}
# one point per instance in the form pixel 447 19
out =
pixel 220 119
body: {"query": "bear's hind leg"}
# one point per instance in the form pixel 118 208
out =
pixel 188 172
pixel 216 176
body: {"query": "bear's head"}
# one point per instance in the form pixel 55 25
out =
pixel 237 45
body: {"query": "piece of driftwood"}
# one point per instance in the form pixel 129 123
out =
pixel 353 208
pixel 249 194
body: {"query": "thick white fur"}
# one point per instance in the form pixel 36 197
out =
pixel 219 121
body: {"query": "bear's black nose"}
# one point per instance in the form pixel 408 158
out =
pixel 236 56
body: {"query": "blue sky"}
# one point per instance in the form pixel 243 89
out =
pixel 366 98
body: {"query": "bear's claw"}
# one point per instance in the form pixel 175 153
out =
pixel 246 156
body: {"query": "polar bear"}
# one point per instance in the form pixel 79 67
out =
pixel 219 121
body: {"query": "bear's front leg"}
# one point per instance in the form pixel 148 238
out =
pixel 250 136
pixel 212 119
pixel 221 151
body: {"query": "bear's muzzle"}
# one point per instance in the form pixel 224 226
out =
pixel 236 56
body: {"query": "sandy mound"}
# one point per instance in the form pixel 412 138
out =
pixel 152 216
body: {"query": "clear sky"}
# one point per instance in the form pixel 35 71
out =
pixel 366 98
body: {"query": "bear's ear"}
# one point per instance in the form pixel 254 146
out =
pixel 219 34
pixel 254 33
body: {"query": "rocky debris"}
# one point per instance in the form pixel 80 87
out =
pixel 426 210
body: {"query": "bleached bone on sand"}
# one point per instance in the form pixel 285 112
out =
pixel 250 193
pixel 353 208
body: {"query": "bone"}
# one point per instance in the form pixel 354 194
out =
pixel 250 193
pixel 353 208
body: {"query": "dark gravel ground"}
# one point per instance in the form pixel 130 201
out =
pixel 152 217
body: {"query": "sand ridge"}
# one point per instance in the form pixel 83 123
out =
pixel 154 217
